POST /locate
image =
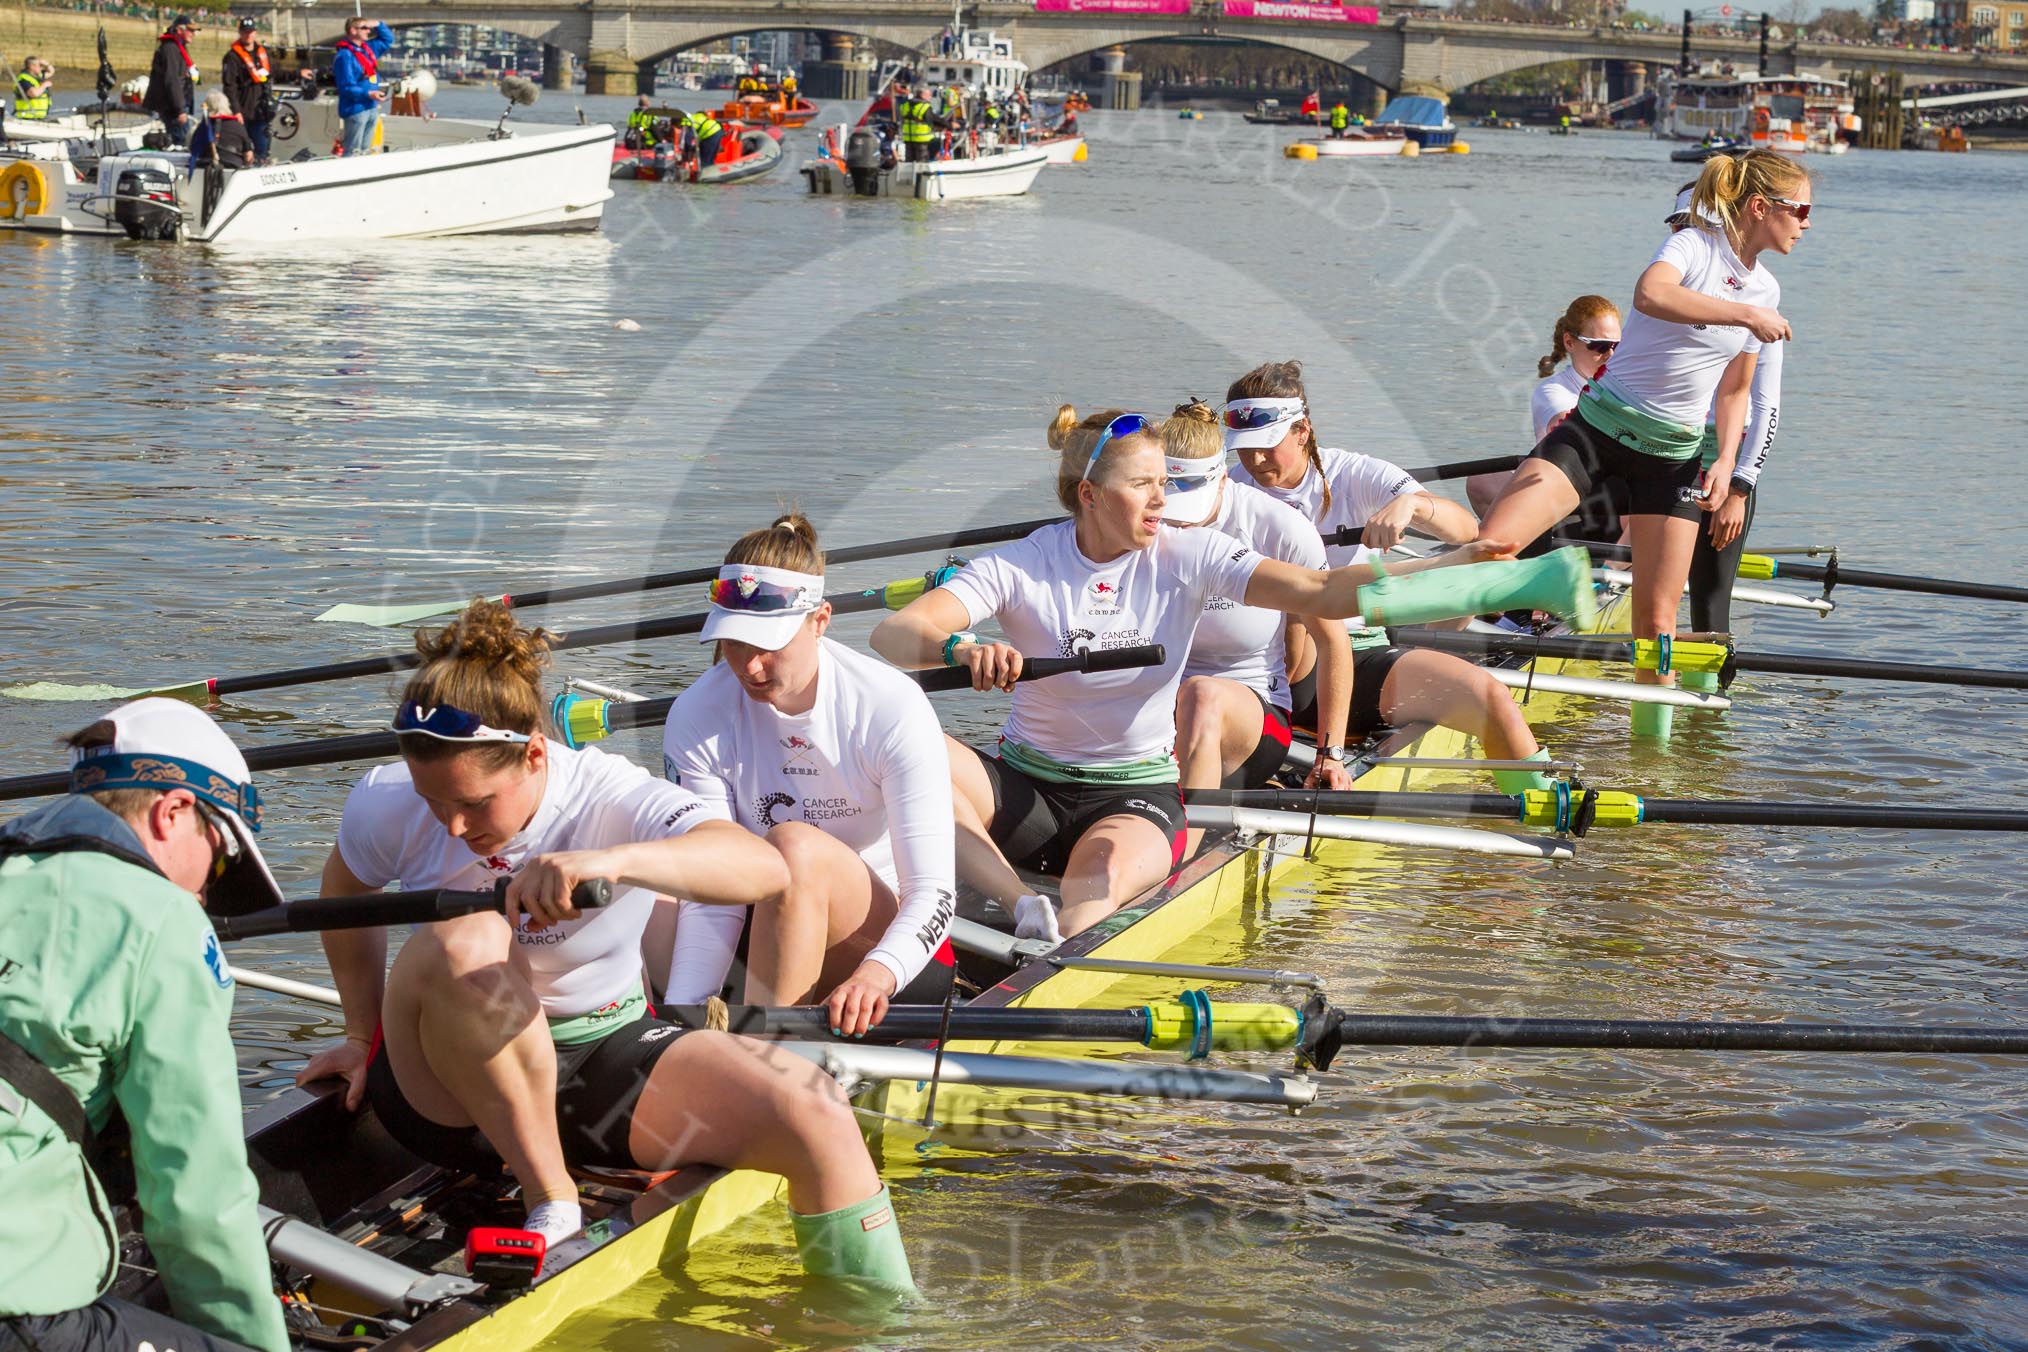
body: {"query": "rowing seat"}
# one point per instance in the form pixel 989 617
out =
pixel 633 1182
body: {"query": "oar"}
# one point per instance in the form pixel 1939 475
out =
pixel 371 909
pixel 529 598
pixel 1765 568
pixel 578 718
pixel 893 596
pixel 1264 822
pixel 1786 664
pixel 281 985
pixel 1577 809
pixel 1195 1025
pixel 850 1062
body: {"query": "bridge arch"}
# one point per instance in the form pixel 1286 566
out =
pixel 1370 61
pixel 560 31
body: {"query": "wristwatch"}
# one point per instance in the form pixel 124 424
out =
pixel 1331 753
pixel 1741 487
pixel 951 645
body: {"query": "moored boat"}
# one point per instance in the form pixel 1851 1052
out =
pixel 773 109
pixel 1795 114
pixel 861 169
pixel 1064 147
pixel 1356 141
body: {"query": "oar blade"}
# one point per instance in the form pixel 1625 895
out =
pixel 56 692
pixel 389 617
pixel 1411 835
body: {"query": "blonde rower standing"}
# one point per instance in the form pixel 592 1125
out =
pixel 1702 309
pixel 1086 781
pixel 527 1038
pixel 838 760
pixel 1267 421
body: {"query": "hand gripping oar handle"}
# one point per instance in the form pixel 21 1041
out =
pixel 388 908
pixel 1039 668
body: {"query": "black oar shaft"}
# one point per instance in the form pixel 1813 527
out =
pixel 1040 668
pixel 1782 664
pixel 370 909
pixel 684 577
pixel 1884 817
pixel 1842 576
pixel 1395 1030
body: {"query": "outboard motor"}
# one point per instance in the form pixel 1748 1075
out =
pixel 144 201
pixel 862 159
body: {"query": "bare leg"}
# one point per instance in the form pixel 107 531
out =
pixel 1663 548
pixel 1430 687
pixel 980 862
pixel 735 1102
pixel 816 933
pixel 1113 862
pixel 1218 726
pixel 1536 498
pixel 1483 490
pixel 468 1044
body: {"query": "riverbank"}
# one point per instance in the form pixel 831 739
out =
pixel 69 40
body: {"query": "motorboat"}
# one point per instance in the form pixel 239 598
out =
pixel 1418 117
pixel 1064 147
pixel 118 129
pixel 1706 148
pixel 859 164
pixel 432 176
pixel 1795 114
pixel 743 152
pixel 773 108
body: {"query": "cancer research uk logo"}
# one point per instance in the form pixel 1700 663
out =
pixel 765 805
pixel 1075 641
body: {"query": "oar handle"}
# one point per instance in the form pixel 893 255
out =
pixel 1465 469
pixel 1039 668
pixel 372 909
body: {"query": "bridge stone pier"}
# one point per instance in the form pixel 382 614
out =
pixel 619 40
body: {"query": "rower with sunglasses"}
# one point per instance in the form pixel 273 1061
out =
pixel 836 759
pixel 1267 421
pixel 1085 782
pixel 1703 308
pixel 115 998
pixel 1234 716
pixel 527 1039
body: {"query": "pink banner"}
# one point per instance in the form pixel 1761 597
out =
pixel 1299 9
pixel 1112 6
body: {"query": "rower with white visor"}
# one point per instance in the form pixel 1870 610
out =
pixel 838 760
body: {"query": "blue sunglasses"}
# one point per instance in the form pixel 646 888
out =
pixel 1126 425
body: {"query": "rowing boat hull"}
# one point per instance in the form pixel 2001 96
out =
pixel 317 1162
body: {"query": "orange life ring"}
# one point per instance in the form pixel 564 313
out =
pixel 24 191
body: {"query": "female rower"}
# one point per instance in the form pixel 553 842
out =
pixel 838 760
pixel 1702 310
pixel 1085 783
pixel 1267 421
pixel 1586 332
pixel 1715 566
pixel 1233 713
pixel 527 1039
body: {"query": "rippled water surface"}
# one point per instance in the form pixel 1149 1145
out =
pixel 204 448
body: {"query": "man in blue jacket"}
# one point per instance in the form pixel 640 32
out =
pixel 356 71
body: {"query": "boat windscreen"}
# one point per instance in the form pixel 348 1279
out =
pixel 1413 110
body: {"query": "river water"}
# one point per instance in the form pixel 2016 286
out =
pixel 205 448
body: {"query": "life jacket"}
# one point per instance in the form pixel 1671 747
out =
pixel 915 125
pixel 260 70
pixel 30 109
pixel 369 64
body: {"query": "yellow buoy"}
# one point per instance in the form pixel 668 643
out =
pixel 1299 151
pixel 1410 149
pixel 1078 156
pixel 1460 148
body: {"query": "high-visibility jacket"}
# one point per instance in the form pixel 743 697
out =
pixel 915 121
pixel 703 125
pixel 1340 118
pixel 30 107
pixel 642 121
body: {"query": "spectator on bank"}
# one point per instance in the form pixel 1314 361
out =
pixel 249 84
pixel 172 81
pixel 356 72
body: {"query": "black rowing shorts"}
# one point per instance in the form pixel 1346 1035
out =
pixel 1592 459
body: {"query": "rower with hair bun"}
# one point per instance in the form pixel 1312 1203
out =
pixel 1703 309
pixel 1085 784
pixel 528 1039
pixel 838 760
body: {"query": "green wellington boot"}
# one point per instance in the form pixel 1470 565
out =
pixel 860 1242
pixel 1558 582
pixel 1703 682
pixel 1520 781
pixel 1654 720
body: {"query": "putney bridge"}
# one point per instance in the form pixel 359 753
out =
pixel 620 41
